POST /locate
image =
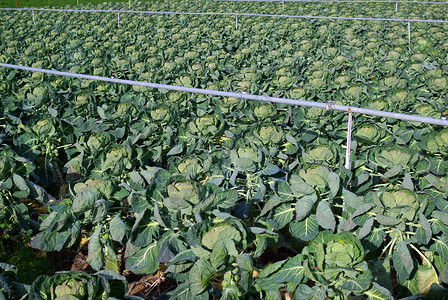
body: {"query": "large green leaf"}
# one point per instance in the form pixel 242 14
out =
pixel 377 292
pixel 304 230
pixel 351 199
pixel 110 258
pixel 85 200
pixel 381 273
pixel 284 191
pixel 427 276
pixel 423 233
pixel 144 229
pixel 304 206
pixel 439 166
pixel 292 271
pixel 324 216
pixel 95 258
pixel 334 183
pixel 304 292
pixel 118 228
pixel 283 214
pixel 144 260
pixel 183 292
pixel 366 228
pixel 440 246
pixel 403 262
pixel 200 275
pixel 51 241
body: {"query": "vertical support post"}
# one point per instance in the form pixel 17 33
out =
pixel 77 2
pixel 349 140
pixel 129 4
pixel 33 16
pixel 409 35
pixel 196 2
pixel 118 18
pixel 396 6
pixel 283 5
pixel 236 21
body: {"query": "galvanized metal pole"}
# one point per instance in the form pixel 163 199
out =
pixel 129 4
pixel 236 22
pixel 340 1
pixel 283 5
pixel 230 14
pixel 305 103
pixel 409 35
pixel 396 6
pixel 33 16
pixel 118 18
pixel 349 140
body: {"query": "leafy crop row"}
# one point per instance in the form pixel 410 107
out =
pixel 231 198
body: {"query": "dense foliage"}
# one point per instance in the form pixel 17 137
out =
pixel 232 199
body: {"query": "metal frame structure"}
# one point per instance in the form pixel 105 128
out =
pixel 230 14
pixel 339 1
pixel 328 106
pixel 223 14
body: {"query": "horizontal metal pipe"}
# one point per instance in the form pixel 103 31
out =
pixel 322 105
pixel 224 14
pixel 338 1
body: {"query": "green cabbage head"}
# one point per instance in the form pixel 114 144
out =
pixel 118 159
pixel 368 134
pixel 269 134
pixel 395 155
pixel 79 285
pixel 244 159
pixel 438 143
pixel 186 190
pixel 337 259
pixel 207 124
pixel 265 111
pixel 315 175
pixel 399 204
pixel 438 84
pixel 160 114
pixel 190 166
pixel 70 289
pixel 322 154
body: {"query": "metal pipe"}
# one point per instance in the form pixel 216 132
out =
pixel 349 139
pixel 409 35
pixel 322 105
pixel 229 14
pixel 338 1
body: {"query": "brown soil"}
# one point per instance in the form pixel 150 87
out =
pixel 147 287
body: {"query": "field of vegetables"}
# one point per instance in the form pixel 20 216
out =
pixel 226 198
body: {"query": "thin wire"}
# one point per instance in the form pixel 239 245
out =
pixel 321 105
pixel 227 14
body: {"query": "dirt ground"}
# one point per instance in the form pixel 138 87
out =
pixel 147 287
